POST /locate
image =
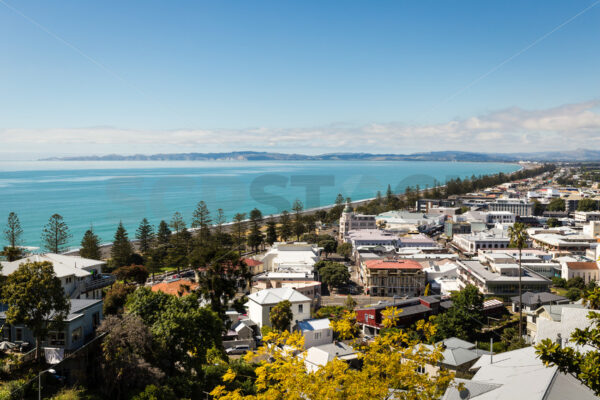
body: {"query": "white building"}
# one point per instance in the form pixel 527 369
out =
pixel 587 270
pixel 349 221
pixel 518 207
pixel 259 305
pixel 291 257
pixel 81 278
pixel 471 243
pixel 318 356
pixel 586 216
pixel 316 332
pixel 371 237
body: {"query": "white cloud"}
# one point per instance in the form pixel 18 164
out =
pixel 514 129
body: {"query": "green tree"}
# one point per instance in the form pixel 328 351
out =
pixel 349 303
pixel 556 205
pixel 90 245
pixel 464 318
pixel 13 253
pixel 518 239
pixel 285 226
pixel 201 219
pixel 153 392
pixel 553 222
pixel 334 275
pixel 310 223
pixel 55 234
pixel 240 230
pixel 177 223
pixel 183 332
pixel 178 250
pixel 134 273
pixel 115 298
pixel 345 250
pixel 329 246
pixel 538 208
pixel 13 230
pixel 299 227
pixel 587 205
pixel 583 365
pixel 145 236
pixel 36 299
pixel 271 232
pixel 156 259
pixel 127 349
pixel 220 220
pixel 256 238
pixel 281 316
pixel 121 250
pixel 339 200
pixel 163 234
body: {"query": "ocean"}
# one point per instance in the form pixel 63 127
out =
pixel 100 194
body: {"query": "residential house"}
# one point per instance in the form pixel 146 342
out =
pixel 291 257
pixel 259 305
pixel 255 267
pixel 318 356
pixel 77 329
pixel 533 301
pixel 81 278
pixel 518 374
pixel 316 332
pixel 550 318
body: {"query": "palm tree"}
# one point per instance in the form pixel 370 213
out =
pixel 518 239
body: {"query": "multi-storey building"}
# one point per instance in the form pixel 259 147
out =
pixel 393 277
pixel 349 221
pixel 518 207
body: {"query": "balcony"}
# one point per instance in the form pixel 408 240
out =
pixel 99 282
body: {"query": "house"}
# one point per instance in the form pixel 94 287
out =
pixel 458 355
pixel 501 280
pixel 176 287
pixel 371 237
pixel 255 267
pixel 316 332
pixel 558 322
pixel 291 257
pixel 587 270
pixel 78 327
pixel 518 374
pixel 299 281
pixel 259 305
pixel 532 301
pixel 81 278
pixel 244 329
pixel 349 221
pixel 413 309
pixel 318 356
pixel 393 277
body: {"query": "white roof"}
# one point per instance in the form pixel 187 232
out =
pixel 63 265
pixel 314 324
pixel 276 295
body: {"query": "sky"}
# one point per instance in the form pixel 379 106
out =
pixel 82 77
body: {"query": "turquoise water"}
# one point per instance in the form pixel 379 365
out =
pixel 102 193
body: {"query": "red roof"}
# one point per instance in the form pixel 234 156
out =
pixel 251 262
pixel 582 265
pixel 392 264
pixel 179 287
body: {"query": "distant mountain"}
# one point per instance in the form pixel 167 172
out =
pixel 574 156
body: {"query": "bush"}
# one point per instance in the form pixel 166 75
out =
pixel 153 392
pixel 573 294
pixel 576 282
pixel 115 298
pixel 559 282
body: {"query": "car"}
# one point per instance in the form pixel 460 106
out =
pixel 239 349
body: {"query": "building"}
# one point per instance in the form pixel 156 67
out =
pixel 532 301
pixel 349 221
pixel 419 240
pixel 393 277
pixel 291 257
pixel 176 287
pixel 557 243
pixel 586 216
pixel 413 309
pixel 499 217
pixel 254 266
pixel 518 207
pixel 483 240
pixel 518 374
pixel 77 329
pixel 371 237
pixel 457 355
pixel 425 205
pixel 259 305
pixel 316 332
pixel 587 270
pixel 318 356
pixel 81 278
pixel 501 280
pixel 297 281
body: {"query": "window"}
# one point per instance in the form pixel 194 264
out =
pixel 328 332
pixel 76 335
pixel 421 369
pixel 300 308
pixel 19 334
pixel 96 319
pixel 56 338
pixel 317 335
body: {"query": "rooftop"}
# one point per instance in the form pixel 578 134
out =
pixel 592 265
pixel 392 264
pixel 276 295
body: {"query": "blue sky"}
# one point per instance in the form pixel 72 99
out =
pixel 81 77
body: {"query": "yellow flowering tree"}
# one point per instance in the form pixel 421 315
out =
pixel 389 370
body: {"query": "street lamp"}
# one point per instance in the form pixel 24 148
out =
pixel 40 381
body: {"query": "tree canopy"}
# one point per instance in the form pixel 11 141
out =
pixel 281 316
pixel 55 234
pixel 90 245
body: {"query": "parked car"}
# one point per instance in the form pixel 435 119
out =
pixel 239 349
